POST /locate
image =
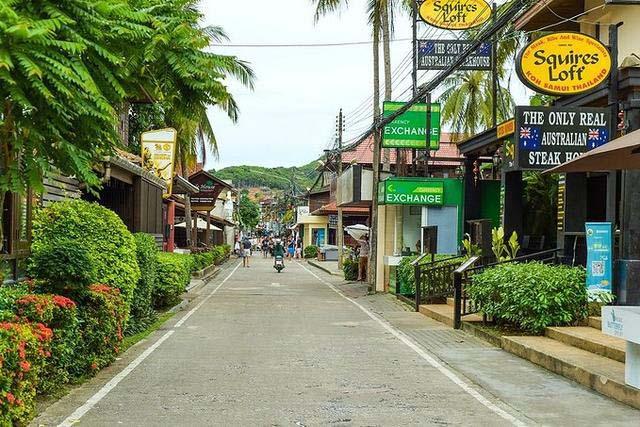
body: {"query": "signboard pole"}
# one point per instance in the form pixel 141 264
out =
pixel 414 71
pixel 427 153
pixel 494 71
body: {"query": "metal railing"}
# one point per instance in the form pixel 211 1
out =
pixel 463 276
pixel 434 279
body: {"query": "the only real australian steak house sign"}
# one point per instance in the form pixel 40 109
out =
pixel 549 136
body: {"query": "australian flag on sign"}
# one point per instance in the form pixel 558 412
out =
pixel 597 137
pixel 530 138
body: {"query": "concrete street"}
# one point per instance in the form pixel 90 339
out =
pixel 286 349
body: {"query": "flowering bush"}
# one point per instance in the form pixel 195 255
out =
pixel 174 274
pixel 102 314
pixel 24 349
pixel 61 315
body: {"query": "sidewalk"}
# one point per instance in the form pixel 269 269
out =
pixel 330 267
pixel 539 395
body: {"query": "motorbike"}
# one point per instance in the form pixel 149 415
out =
pixel 278 264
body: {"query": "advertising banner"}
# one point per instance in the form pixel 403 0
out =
pixel 564 63
pixel 158 154
pixel 549 136
pixel 455 14
pixel 440 55
pixel 599 256
pixel 395 191
pixel 409 130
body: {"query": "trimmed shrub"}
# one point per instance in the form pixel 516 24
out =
pixel 102 314
pixel 142 313
pixel 201 260
pixel 61 316
pixel 310 251
pixel 174 275
pixel 531 296
pixel 405 276
pixel 24 349
pixel 9 294
pixel 350 269
pixel 87 240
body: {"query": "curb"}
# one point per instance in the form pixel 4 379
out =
pixel 323 268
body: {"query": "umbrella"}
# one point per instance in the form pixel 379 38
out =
pixel 621 153
pixel 357 231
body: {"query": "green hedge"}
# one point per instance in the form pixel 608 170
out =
pixel 531 296
pixel 142 312
pixel 76 243
pixel 174 274
pixel 310 251
pixel 350 269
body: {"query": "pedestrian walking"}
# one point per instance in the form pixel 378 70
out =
pixel 363 258
pixel 291 249
pixel 265 247
pixel 237 248
pixel 246 252
pixel 299 249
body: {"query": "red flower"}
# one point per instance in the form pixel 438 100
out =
pixel 25 366
pixel 63 302
pixel 11 398
pixel 94 366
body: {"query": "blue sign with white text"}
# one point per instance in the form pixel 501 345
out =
pixel 599 256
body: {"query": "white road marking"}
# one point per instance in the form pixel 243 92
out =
pixel 100 394
pixel 93 400
pixel 207 298
pixel 426 356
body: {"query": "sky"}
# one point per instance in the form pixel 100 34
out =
pixel 289 118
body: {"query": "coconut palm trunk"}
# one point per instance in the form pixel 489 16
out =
pixel 373 232
pixel 383 8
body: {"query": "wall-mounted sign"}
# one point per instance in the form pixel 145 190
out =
pixel 564 64
pixel 440 55
pixel 209 188
pixel 599 256
pixel 455 14
pixel 505 129
pixel 158 154
pixel 409 130
pixel 549 136
pixel 403 191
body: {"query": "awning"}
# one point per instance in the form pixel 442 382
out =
pixel 621 153
pixel 202 225
pixel 332 209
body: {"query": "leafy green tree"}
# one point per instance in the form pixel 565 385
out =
pixel 63 70
pixel 249 211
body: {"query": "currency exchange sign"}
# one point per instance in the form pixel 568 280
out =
pixel 409 130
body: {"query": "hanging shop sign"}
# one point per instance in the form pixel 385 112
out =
pixel 406 191
pixel 208 191
pixel 455 14
pixel 158 154
pixel 440 55
pixel 564 63
pixel 549 136
pixel 599 256
pixel 506 128
pixel 409 130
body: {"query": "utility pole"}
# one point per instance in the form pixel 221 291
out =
pixel 373 230
pixel 414 70
pixel 340 231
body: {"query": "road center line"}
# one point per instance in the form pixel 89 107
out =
pixel 100 394
pixel 426 356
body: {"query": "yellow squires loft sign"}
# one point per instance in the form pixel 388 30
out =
pixel 564 64
pixel 455 14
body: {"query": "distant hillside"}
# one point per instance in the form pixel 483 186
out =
pixel 275 178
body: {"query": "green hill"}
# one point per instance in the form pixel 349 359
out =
pixel 278 178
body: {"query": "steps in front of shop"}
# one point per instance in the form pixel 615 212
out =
pixel 581 353
pixel 443 313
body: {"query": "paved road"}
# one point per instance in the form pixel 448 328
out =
pixel 261 348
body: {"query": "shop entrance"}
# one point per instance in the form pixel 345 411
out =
pixel 446 219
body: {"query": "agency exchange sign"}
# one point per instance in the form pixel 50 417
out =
pixel 409 130
pixel 440 55
pixel 403 191
pixel 549 136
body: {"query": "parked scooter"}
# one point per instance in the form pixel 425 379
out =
pixel 278 264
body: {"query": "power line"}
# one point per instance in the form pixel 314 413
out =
pixel 295 45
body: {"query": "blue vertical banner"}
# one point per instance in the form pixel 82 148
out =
pixel 599 256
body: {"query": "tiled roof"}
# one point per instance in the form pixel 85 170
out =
pixel 363 153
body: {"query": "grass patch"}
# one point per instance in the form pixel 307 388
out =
pixel 128 342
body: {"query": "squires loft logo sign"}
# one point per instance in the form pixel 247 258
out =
pixel 455 14
pixel 564 64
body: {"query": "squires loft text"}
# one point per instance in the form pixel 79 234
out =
pixel 564 64
pixel 455 14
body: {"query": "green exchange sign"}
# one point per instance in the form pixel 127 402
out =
pixel 394 191
pixel 409 130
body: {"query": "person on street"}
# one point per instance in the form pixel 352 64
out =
pixel 246 252
pixel 278 248
pixel 363 258
pixel 291 249
pixel 237 248
pixel 265 247
pixel 299 249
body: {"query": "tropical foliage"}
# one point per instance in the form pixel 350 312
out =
pixel 249 212
pixel 278 178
